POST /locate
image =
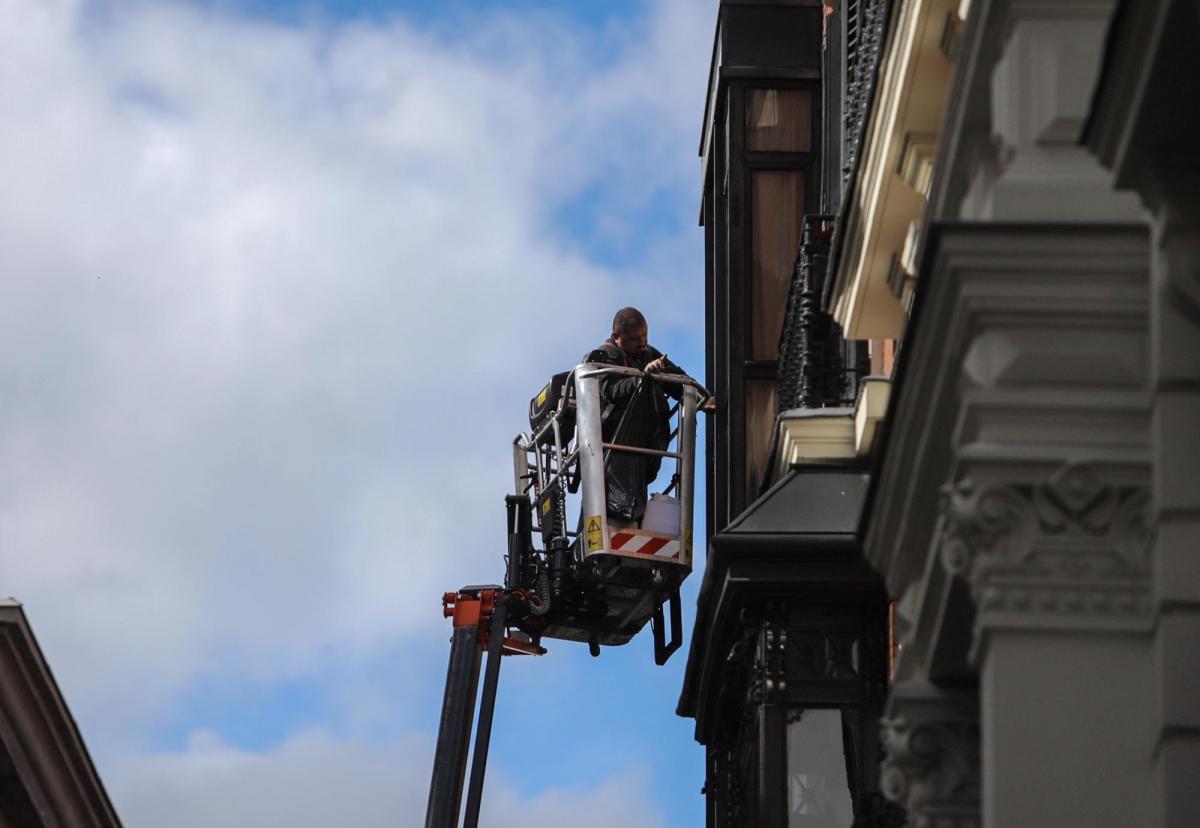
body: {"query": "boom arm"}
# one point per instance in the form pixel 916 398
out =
pixel 480 616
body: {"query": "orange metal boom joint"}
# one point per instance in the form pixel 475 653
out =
pixel 474 607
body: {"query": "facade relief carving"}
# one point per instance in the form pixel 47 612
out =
pixel 1073 548
pixel 932 767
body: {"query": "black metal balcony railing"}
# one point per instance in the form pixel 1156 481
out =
pixel 817 367
pixel 864 21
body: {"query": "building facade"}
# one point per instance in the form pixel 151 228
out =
pixel 953 281
pixel 787 672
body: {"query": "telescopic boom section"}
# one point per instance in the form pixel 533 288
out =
pixel 481 615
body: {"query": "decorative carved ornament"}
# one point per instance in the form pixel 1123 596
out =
pixel 932 763
pixel 932 770
pixel 1074 547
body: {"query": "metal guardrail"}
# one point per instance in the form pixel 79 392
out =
pixel 548 458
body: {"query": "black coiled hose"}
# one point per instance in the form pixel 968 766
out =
pixel 543 593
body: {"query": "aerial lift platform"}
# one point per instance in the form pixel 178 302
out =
pixel 594 580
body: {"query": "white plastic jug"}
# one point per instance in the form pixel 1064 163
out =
pixel 662 514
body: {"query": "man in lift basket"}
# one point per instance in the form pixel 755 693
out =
pixel 636 413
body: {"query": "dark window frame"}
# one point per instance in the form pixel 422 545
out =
pixel 739 290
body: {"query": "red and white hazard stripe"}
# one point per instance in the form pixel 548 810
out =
pixel 625 540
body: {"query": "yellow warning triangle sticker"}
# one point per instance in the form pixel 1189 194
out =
pixel 595 535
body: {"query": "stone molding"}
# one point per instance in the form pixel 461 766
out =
pixel 869 412
pixel 1021 94
pixel 1016 111
pixel 932 770
pixel 1141 132
pixel 812 435
pixel 990 385
pixel 1070 552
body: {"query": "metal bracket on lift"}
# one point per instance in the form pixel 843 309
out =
pixel 663 649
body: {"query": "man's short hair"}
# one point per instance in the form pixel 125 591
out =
pixel 627 319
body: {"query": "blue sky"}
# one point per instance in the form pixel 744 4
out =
pixel 275 283
pixel 593 15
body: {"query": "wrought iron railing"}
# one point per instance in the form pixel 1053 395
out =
pixel 817 367
pixel 865 21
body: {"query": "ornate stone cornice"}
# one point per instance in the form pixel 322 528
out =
pixel 990 370
pixel 1070 551
pixel 932 767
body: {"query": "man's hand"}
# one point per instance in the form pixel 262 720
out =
pixel 710 406
pixel 657 366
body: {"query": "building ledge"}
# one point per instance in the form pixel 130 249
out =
pixel 819 435
pixel 897 158
pixel 869 412
pixel 987 334
pixel 798 538
pixel 812 435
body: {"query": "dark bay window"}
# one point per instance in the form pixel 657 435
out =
pixel 787 668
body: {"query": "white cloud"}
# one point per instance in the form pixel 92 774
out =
pixel 315 780
pixel 271 301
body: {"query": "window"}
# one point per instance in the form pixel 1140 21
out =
pixel 818 789
pixel 779 120
pixel 778 213
pixel 778 133
pixel 762 399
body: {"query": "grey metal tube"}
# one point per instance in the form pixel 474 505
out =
pixel 454 731
pixel 590 446
pixel 521 465
pixel 640 450
pixel 487 707
pixel 686 469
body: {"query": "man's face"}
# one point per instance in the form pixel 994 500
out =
pixel 633 341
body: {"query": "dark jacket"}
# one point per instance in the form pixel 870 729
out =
pixel 636 414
